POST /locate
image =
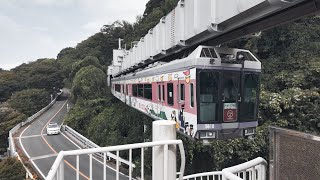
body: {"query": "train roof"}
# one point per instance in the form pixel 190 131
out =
pixel 204 57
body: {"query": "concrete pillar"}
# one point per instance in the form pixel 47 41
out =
pixel 164 130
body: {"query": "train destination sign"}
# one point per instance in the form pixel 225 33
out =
pixel 230 112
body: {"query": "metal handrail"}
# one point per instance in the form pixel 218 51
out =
pixel 89 144
pixel 54 171
pixel 205 174
pixel 233 173
pixel 229 173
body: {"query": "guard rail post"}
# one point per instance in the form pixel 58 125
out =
pixel 164 157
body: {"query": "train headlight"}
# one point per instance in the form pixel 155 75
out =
pixel 248 132
pixel 207 135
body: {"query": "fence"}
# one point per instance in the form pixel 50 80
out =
pixel 164 148
pixel 163 160
pixel 251 170
pixel 86 144
pixel 293 155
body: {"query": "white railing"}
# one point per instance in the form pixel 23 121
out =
pixel 87 143
pixel 216 175
pixel 251 170
pixel 57 170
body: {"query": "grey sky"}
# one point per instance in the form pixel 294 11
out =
pixel 33 29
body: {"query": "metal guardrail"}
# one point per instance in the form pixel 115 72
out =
pixel 86 144
pixel 12 149
pixel 251 170
pixel 57 170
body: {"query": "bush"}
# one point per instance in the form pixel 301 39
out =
pixel 11 169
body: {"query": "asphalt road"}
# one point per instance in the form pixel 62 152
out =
pixel 42 150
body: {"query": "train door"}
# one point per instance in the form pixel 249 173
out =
pixel 161 100
pixel 230 96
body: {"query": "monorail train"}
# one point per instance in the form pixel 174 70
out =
pixel 213 93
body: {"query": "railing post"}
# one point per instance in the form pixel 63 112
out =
pixel 164 130
pixel 61 170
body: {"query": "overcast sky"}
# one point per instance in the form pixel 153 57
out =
pixel 33 29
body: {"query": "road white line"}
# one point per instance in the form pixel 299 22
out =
pixel 34 165
pixel 26 153
pixel 93 156
pixel 25 137
pixel 24 150
pixel 71 141
pixel 40 122
pixel 43 157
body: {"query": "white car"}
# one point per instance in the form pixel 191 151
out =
pixel 53 128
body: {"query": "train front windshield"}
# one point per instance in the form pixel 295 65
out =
pixel 227 96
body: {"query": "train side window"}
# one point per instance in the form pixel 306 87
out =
pixel 117 88
pixel 170 94
pixel 163 94
pixel 250 96
pixel 147 91
pixel 134 90
pixel 127 92
pixel 159 92
pixel 191 95
pixel 140 90
pixel 182 92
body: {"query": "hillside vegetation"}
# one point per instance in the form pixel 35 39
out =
pixel 290 94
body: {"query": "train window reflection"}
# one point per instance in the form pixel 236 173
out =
pixel 191 95
pixel 170 94
pixel 163 96
pixel 140 90
pixel 231 87
pixel 117 87
pixel 159 92
pixel 135 90
pixel 148 91
pixel 181 92
pixel 250 96
pixel 208 96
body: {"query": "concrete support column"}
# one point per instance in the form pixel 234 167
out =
pixel 164 157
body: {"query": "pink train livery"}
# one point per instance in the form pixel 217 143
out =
pixel 211 93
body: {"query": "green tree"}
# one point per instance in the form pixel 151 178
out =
pixel 8 119
pixel 89 83
pixel 29 101
pixel 11 169
pixel 87 61
pixel 9 83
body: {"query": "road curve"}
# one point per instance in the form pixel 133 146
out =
pixel 42 150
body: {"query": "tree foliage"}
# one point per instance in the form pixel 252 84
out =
pixel 29 101
pixel 11 169
pixel 26 89
pixel 8 119
pixel 89 83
